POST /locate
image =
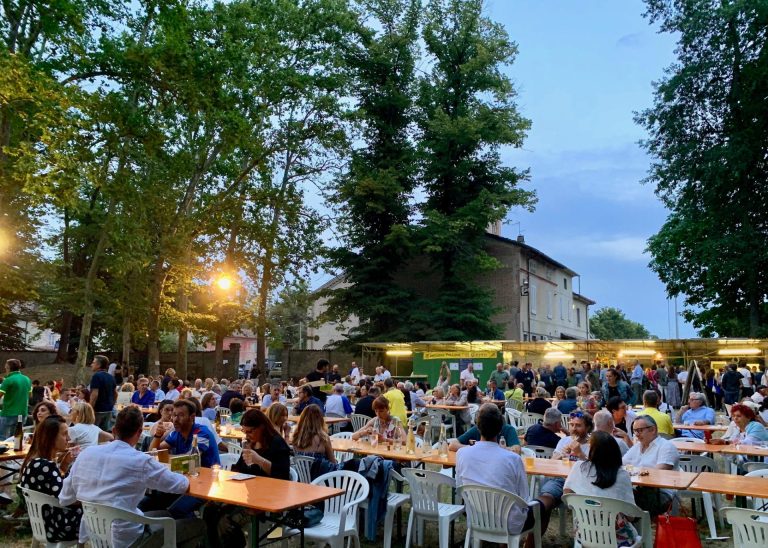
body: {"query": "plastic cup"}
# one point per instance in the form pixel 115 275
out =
pixel 215 469
pixel 529 461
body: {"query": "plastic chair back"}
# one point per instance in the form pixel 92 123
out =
pixel 234 448
pixel 35 503
pixel 529 419
pixel 596 518
pixel 303 467
pixel 98 521
pixel 358 421
pixel 344 507
pixel 750 527
pixel 488 511
pixel 541 452
pixel 425 489
pixel 228 460
pixel 514 417
pixel 758 503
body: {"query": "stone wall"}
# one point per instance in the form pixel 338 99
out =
pixel 29 358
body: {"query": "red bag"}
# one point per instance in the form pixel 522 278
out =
pixel 676 532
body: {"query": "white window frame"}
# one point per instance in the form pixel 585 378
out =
pixel 550 304
pixel 532 299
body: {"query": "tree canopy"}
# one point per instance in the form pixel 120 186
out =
pixel 609 323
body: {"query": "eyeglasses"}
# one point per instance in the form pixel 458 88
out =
pixel 641 428
pixel 246 430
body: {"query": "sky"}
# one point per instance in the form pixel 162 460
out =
pixel 582 70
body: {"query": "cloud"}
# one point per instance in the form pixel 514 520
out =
pixel 619 248
pixel 633 40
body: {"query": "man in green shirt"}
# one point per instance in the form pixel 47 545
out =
pixel 500 376
pixel 15 391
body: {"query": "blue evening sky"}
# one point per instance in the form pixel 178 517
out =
pixel 583 68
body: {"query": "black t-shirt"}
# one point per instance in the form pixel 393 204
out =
pixel 228 396
pixel 316 392
pixel 731 381
pixel 538 405
pixel 364 406
pixel 105 382
pixel 613 392
pixel 538 435
pixel 526 378
pixel 333 378
pixel 278 453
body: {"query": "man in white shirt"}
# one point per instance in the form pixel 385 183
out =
pixel 173 392
pixel 124 474
pixel 385 374
pixel 356 374
pixel 652 451
pixel 746 381
pixel 468 374
pixel 487 463
pixel 274 396
pixel 62 404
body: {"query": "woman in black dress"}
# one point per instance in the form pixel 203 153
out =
pixel 43 470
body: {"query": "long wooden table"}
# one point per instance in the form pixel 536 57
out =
pixel 742 486
pixel 8 456
pixel 727 449
pixel 447 407
pixel 702 427
pixel 261 494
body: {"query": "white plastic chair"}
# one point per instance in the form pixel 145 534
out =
pixel 698 464
pixel 340 514
pixel 595 518
pixel 565 422
pixel 438 418
pixel 358 421
pixel 228 460
pixel 234 448
pixel 750 527
pixel 487 513
pixel 755 502
pixel 395 500
pixel 425 503
pixel 123 398
pixel 514 417
pixel 514 404
pixel 35 503
pixel 541 452
pixel 224 411
pixel 303 465
pixel 752 466
pixel 98 521
pixel 342 456
pixel 473 407
pixel 529 419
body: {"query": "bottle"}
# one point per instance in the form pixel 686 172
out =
pixel 194 462
pixel 443 443
pixel 410 440
pixel 217 420
pixel 502 441
pixel 427 439
pixel 18 435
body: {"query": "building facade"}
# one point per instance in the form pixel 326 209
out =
pixel 534 294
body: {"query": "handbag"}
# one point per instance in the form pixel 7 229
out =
pixel 677 531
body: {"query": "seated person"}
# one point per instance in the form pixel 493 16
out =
pixel 623 416
pixel 540 403
pixel 123 476
pixel 604 423
pixel 337 404
pixel 473 434
pixel 487 463
pixel 385 426
pixel 747 429
pixel 208 406
pixel 237 407
pixel 601 475
pixel 364 405
pixel 493 391
pixel 652 451
pixel 143 397
pixel 84 431
pixel 651 407
pixel 43 472
pixel 274 396
pixel 569 404
pixel 173 390
pixel 546 433
pixel 696 413
pixel 278 416
pixel 306 398
pixel 515 392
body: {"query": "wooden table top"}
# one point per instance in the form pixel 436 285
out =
pixel 148 410
pixel 747 450
pixel 264 494
pixel 731 485
pixel 704 427
pixel 447 407
pixel 361 447
pixel 665 479
pixel 14 455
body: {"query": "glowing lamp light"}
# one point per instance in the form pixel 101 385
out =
pixel 637 352
pixel 738 351
pixel 558 356
pixel 399 353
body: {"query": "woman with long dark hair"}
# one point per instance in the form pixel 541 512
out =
pixel 311 438
pixel 602 476
pixel 42 411
pixel 43 470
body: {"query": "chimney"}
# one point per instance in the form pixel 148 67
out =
pixel 521 238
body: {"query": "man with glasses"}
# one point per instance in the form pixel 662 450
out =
pixel 651 451
pixel 696 413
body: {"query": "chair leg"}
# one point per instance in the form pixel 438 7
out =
pixel 444 525
pixel 389 528
pixel 409 530
pixel 563 517
pixel 467 538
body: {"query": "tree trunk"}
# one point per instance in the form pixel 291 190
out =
pixel 181 352
pixel 153 322
pixel 88 298
pixel 126 359
pixel 65 327
pixel 218 352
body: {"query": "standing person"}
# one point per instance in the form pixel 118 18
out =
pixel 247 369
pixel 636 382
pixel 662 377
pixel 396 401
pixel 15 390
pixel 444 379
pixel 356 373
pixel 672 393
pixel 500 377
pixel 560 374
pixel 526 377
pixel 731 383
pixel 467 375
pixel 124 475
pixel 747 388
pixel 614 387
pixel 103 392
pixel 319 374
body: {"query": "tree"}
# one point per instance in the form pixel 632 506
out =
pixel 709 137
pixel 467 113
pixel 289 316
pixel 610 323
pixel 374 195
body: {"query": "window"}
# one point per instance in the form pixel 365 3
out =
pixel 532 295
pixel 565 283
pixel 570 307
pixel 550 298
pixel 561 304
pixel 578 317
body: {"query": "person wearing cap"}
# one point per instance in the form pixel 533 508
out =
pixel 696 413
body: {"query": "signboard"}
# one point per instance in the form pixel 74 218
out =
pixel 459 355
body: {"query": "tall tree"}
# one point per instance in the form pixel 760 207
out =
pixel 374 195
pixel 610 323
pixel 709 137
pixel 467 115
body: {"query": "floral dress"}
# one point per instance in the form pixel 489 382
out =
pixel 61 524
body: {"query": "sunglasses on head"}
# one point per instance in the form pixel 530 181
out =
pixel 577 415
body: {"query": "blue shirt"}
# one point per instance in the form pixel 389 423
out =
pixel 206 444
pixel 497 394
pixel 147 400
pixel 567 405
pixel 509 432
pixel 703 413
pixel 105 383
pixel 312 400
